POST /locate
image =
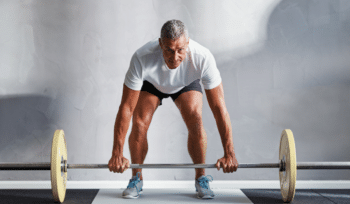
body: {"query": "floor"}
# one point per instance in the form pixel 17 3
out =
pixel 107 196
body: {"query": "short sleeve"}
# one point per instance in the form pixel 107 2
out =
pixel 133 77
pixel 210 76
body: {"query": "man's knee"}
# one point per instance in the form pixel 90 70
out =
pixel 140 125
pixel 142 118
pixel 194 122
pixel 194 116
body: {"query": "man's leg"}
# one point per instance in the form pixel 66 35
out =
pixel 143 113
pixel 190 104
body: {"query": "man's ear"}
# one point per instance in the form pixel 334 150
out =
pixel 160 42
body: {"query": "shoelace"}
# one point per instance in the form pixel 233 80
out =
pixel 204 181
pixel 135 180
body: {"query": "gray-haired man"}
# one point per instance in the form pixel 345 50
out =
pixel 171 66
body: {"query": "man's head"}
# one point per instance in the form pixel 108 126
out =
pixel 174 42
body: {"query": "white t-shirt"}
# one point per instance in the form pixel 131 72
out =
pixel 147 64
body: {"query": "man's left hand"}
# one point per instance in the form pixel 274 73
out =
pixel 228 163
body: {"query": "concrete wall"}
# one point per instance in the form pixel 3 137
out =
pixel 284 64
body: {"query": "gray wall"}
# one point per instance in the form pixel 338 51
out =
pixel 284 64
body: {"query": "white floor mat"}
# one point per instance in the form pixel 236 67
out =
pixel 165 196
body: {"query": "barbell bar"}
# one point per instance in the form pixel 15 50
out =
pixel 287 166
pixel 300 166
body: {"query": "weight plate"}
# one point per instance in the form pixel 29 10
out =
pixel 58 177
pixel 288 155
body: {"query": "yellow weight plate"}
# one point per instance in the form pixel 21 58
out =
pixel 288 155
pixel 58 177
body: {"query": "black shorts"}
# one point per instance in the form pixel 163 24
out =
pixel 195 85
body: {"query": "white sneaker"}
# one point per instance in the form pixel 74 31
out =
pixel 134 188
pixel 202 187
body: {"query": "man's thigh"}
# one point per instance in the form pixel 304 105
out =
pixel 189 99
pixel 145 108
pixel 190 104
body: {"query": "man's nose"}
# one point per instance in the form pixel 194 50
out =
pixel 175 56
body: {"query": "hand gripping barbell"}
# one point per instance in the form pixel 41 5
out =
pixel 287 166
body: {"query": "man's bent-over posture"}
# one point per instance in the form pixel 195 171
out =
pixel 172 65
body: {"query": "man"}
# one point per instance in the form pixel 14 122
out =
pixel 171 66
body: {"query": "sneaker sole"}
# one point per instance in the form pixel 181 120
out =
pixel 205 197
pixel 132 197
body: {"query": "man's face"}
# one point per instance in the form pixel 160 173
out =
pixel 174 51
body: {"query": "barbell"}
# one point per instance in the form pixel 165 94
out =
pixel 287 166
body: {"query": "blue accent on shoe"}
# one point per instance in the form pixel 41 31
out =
pixel 204 181
pixel 135 180
pixel 202 187
pixel 134 188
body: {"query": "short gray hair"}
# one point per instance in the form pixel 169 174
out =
pixel 173 29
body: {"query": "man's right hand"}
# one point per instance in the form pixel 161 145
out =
pixel 118 164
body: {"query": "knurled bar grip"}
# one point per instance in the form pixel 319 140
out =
pixel 300 165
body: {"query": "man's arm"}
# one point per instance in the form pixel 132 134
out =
pixel 126 109
pixel 217 104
